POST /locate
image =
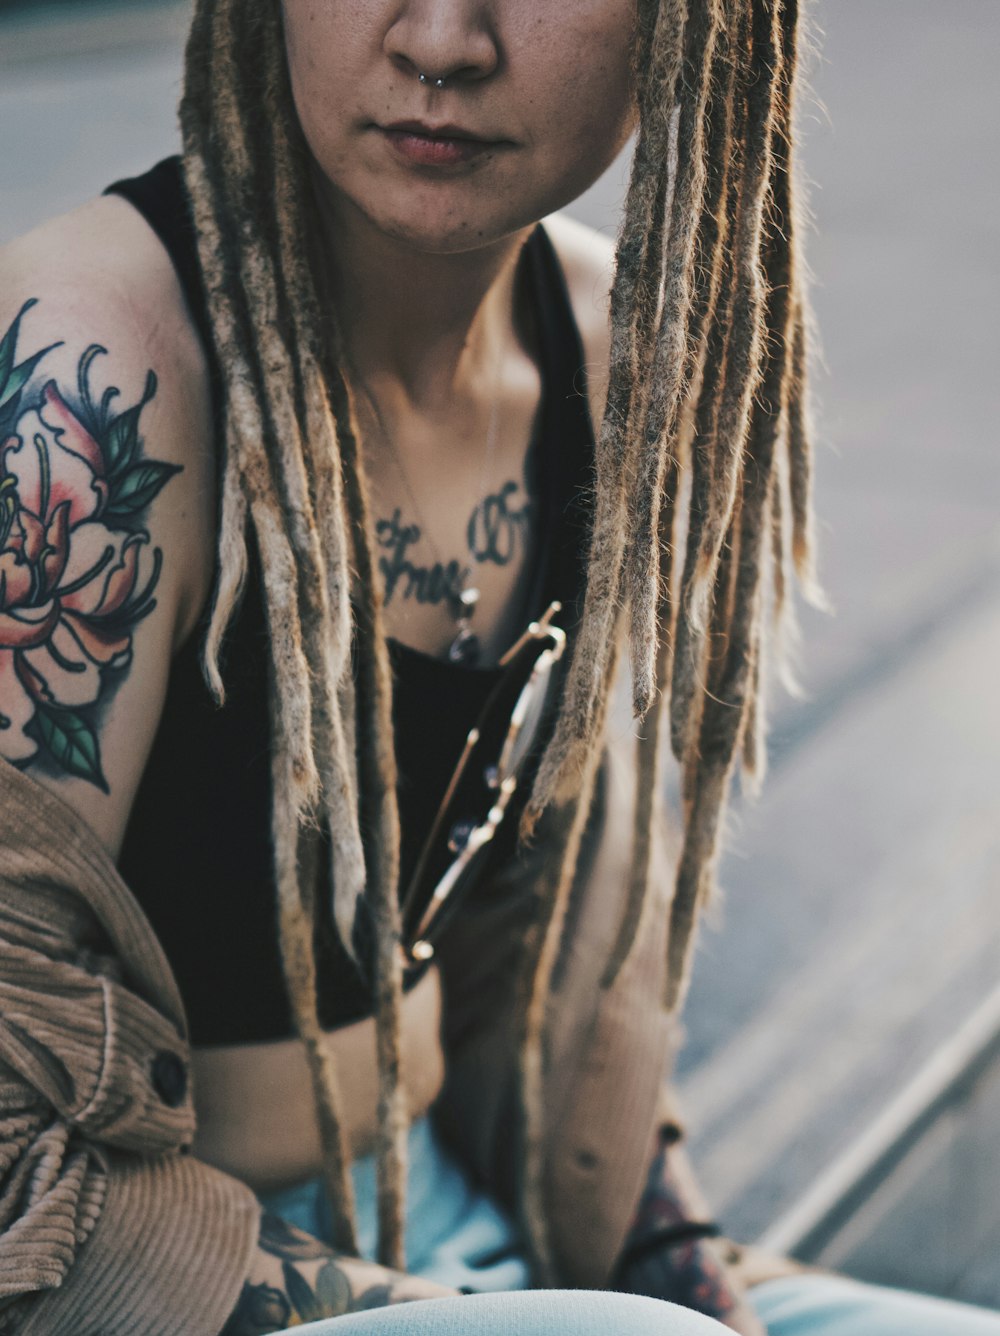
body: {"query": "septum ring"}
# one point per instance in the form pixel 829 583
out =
pixel 428 79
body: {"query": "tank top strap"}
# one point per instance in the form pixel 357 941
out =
pixel 161 197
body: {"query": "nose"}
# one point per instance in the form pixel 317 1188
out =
pixel 444 39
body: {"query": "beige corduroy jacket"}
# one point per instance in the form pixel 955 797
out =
pixel 109 1227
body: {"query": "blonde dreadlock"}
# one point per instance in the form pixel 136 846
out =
pixel 707 380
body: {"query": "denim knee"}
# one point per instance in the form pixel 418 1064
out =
pixel 524 1313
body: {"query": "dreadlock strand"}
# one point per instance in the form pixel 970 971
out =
pixel 232 536
pixel 746 341
pixel 707 780
pixel 245 424
pixel 541 950
pixel 649 301
pixel 587 680
pixel 651 168
pixel 754 744
pixel 231 578
pixel 278 447
pixel 671 354
pixel 779 543
pixel 737 681
pixel 378 766
pixel 299 960
pixel 706 770
pixel 293 752
pixel 232 541
pixel 281 445
pixel 296 926
pixel 326 661
pixel 232 574
pixel 302 272
pixel 375 735
pixel 715 317
pixel 307 440
pixel 799 426
pixel 800 460
pixel 328 744
pixel 712 230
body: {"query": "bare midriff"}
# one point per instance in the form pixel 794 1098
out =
pixel 254 1102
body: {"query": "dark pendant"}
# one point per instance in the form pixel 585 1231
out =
pixel 464 649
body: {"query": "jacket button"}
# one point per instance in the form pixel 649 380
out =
pixel 170 1078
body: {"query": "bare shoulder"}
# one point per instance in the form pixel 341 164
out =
pixel 106 501
pixel 588 259
pixel 96 287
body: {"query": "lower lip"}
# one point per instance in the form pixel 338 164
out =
pixel 425 151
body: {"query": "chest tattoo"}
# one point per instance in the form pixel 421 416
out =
pixel 497 532
pixel 439 583
pixel 498 529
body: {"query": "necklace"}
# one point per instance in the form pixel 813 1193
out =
pixel 462 602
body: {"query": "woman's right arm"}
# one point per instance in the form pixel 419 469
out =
pixel 106 557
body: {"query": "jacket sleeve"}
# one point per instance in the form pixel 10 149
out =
pixel 107 1223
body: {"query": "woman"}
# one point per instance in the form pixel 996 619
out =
pixel 317 408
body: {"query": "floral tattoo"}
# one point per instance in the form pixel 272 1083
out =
pixel 310 1282
pixel 666 1255
pixel 77 574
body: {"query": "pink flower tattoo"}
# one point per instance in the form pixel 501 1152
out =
pixel 77 573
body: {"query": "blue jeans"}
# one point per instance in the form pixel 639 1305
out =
pixel 458 1237
pixel 815 1305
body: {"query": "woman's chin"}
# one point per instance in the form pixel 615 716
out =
pixel 427 236
pixel 439 219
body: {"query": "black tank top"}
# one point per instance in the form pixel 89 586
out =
pixel 197 851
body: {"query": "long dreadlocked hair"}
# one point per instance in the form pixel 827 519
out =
pixel 706 402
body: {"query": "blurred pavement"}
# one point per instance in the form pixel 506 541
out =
pixel 861 922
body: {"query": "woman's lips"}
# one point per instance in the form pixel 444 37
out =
pixel 435 148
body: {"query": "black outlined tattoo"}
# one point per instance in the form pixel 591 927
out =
pixel 497 532
pixel 307 1293
pixel 496 529
pixel 427 584
pixel 77 574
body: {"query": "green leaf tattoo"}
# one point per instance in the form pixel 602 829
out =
pixel 300 1294
pixel 13 378
pixel 72 743
pixel 333 1293
pixel 138 489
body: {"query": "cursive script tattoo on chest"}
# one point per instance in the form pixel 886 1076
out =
pixel 438 583
pixel 498 530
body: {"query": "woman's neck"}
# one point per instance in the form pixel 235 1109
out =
pixel 428 330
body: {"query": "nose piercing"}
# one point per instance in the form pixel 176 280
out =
pixel 428 79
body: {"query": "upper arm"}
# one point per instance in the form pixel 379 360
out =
pixel 105 503
pixel 587 258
